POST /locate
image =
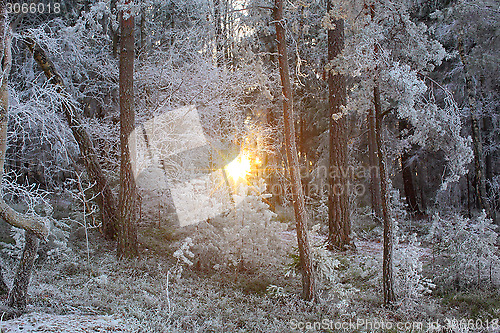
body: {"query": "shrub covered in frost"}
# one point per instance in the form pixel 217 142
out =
pixel 465 250
pixel 410 284
pixel 248 237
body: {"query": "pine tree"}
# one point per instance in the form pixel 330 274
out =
pixel 127 234
pixel 308 279
pixel 339 236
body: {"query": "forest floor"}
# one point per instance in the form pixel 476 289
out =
pixel 88 290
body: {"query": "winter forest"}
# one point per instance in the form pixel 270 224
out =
pixel 249 166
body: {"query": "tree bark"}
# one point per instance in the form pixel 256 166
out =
pixel 106 199
pixel 127 235
pixel 387 266
pixel 18 295
pixel 308 278
pixel 339 224
pixel 387 260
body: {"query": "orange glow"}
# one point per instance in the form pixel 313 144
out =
pixel 239 168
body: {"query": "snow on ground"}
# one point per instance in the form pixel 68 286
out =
pixel 43 322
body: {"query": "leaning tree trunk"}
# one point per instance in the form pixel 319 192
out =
pixel 35 227
pixel 19 292
pixel 308 279
pixel 105 198
pixel 477 144
pixel 387 266
pixel 127 235
pixel 339 224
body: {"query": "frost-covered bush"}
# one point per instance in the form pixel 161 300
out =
pixel 466 250
pixel 248 237
pixel 252 236
pixel 410 284
pixel 39 144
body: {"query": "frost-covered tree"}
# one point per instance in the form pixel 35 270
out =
pixel 34 227
pixel 390 58
pixel 308 278
pixel 467 29
pixel 467 251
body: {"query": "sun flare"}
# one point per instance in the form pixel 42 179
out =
pixel 239 168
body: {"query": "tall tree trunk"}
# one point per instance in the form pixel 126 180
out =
pixel 18 295
pixel 387 260
pixel 387 266
pixel 308 278
pixel 421 182
pixel 477 143
pixel 227 43
pixel 127 235
pixel 407 174
pixel 339 224
pixel 409 189
pixel 374 167
pixel 105 199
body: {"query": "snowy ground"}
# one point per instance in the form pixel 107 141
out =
pixel 69 294
pixel 43 322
